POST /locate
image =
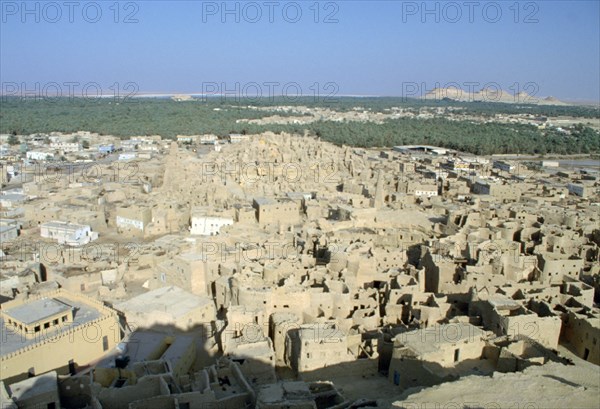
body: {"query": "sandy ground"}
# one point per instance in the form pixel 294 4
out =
pixel 549 386
pixel 369 386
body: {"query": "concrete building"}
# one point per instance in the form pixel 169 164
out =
pixel 503 166
pixel 70 234
pixel 129 146
pixel 9 230
pixel 238 138
pixel 426 190
pixel 208 139
pixel 39 155
pixel 66 147
pixel 187 138
pixel 550 163
pixel 106 149
pixel 12 200
pixel 421 149
pixel 205 225
pixel 127 156
pixel 58 331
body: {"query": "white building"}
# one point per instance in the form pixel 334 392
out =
pixel 9 230
pixel 11 171
pixel 129 145
pixel 126 222
pixel 436 150
pixel 12 200
pixel 146 139
pixel 208 225
pixel 38 155
pixel 68 233
pixel 550 164
pixel 66 146
pixel 148 148
pixel 127 156
pixel 237 138
pixel 135 218
pixel 426 191
pixel 208 139
pixel 187 138
pixel 106 148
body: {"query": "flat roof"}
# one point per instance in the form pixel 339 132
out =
pixel 56 224
pixel 13 197
pixel 261 201
pixel 211 216
pixel 251 350
pixel 428 340
pixel 173 300
pixel 282 392
pixel 36 386
pixel 11 341
pixel 4 227
pixel 420 147
pixel 178 348
pixel 38 310
pixel 140 345
pixel 504 303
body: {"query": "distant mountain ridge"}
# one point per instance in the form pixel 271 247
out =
pixel 490 95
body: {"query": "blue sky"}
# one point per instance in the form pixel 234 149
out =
pixel 365 48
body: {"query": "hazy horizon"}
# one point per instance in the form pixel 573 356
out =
pixel 353 48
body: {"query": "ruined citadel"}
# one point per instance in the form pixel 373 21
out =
pixel 280 271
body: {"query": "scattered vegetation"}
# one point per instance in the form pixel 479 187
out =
pixel 218 116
